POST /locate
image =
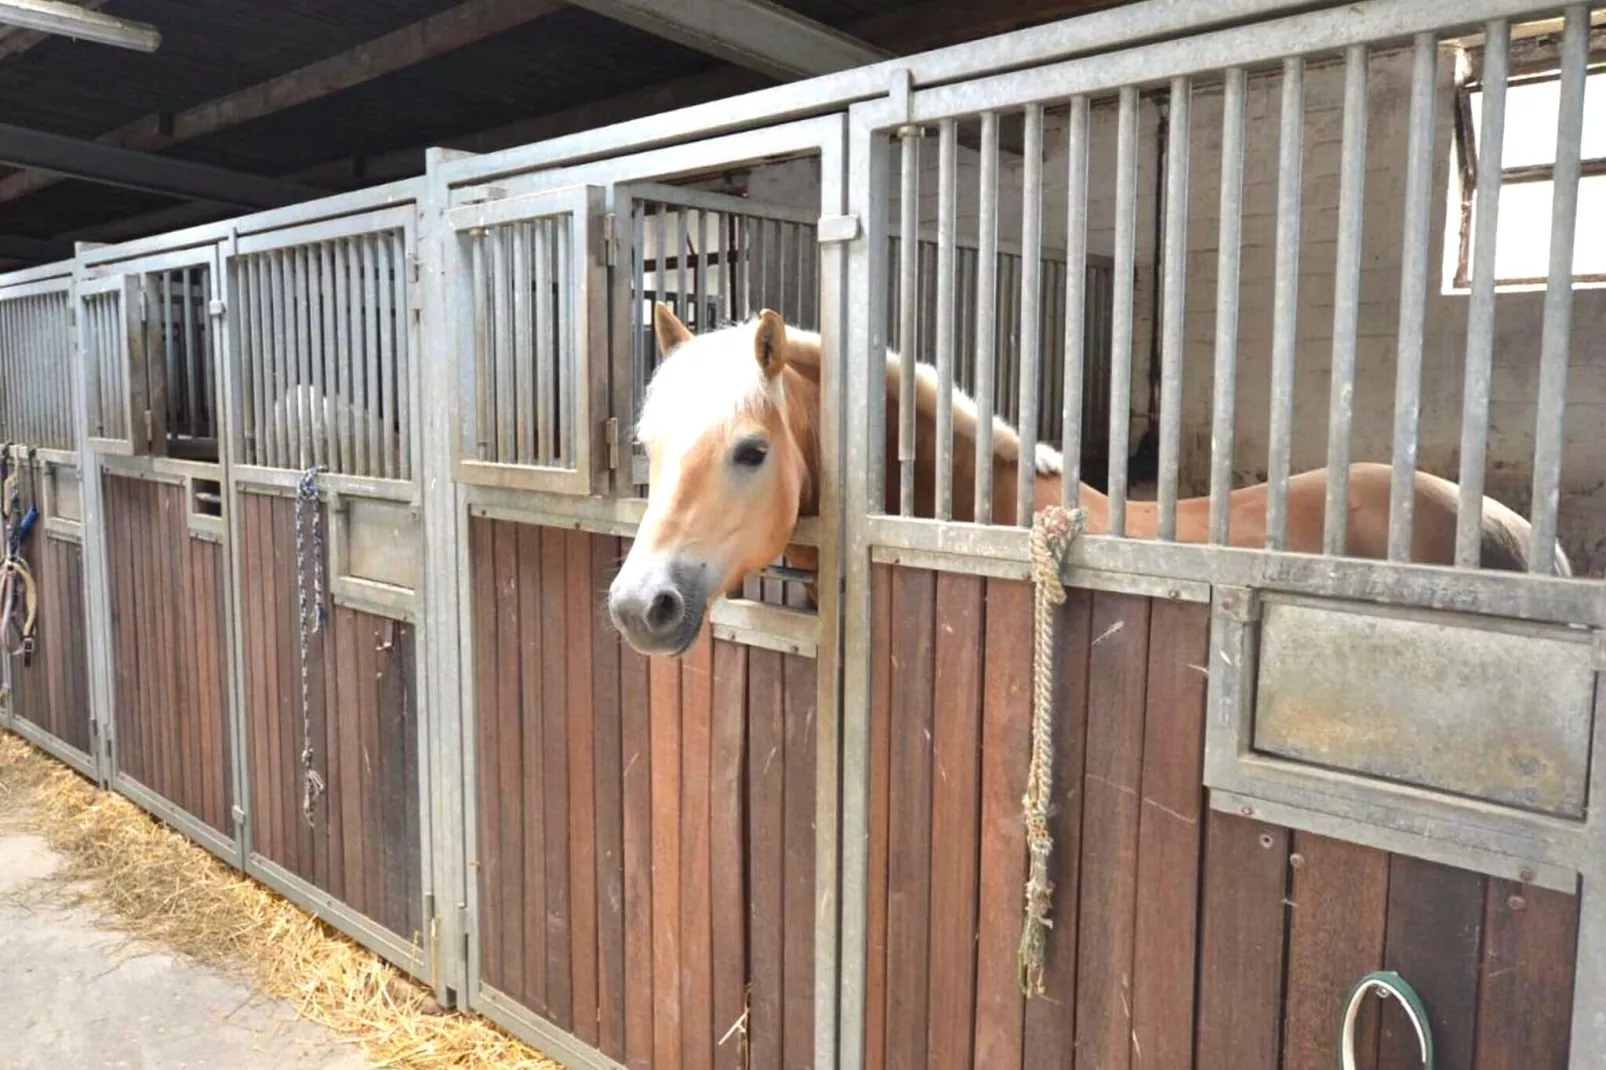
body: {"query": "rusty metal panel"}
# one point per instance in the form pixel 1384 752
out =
pixel 1493 710
pixel 382 542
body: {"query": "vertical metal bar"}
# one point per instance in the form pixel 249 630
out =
pixel 986 315
pixel 502 346
pixel 357 373
pixel 1556 335
pixel 1413 294
pixel 523 347
pixel 301 370
pixel 700 279
pixel 1076 271
pixel 171 394
pixel 92 367
pixel 1229 245
pixel 641 342
pixel 317 352
pixel 661 259
pixel 570 357
pixel 389 272
pixel 801 237
pixel 1173 303
pixel 1285 302
pixel 253 367
pixel 1480 311
pixel 371 341
pixel 192 357
pixel 284 425
pixel 344 396
pixel 546 333
pixel 403 255
pixel 1346 299
pixel 682 247
pixel 1126 216
pixel 947 234
pixel 330 400
pixel 908 309
pixel 1030 315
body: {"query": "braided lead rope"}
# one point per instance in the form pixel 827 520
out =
pixel 1053 531
pixel 309 622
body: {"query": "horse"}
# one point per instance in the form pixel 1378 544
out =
pixel 730 426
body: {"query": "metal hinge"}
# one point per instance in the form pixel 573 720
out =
pixel 610 239
pixel 215 308
pixel 610 435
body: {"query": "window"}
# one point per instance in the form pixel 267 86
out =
pixel 1528 159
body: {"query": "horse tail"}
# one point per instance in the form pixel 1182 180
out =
pixel 1505 544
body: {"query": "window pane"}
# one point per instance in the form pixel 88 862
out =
pixel 1523 246
pixel 1531 121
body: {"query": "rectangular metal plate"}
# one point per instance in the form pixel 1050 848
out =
pixel 1492 710
pixel 382 542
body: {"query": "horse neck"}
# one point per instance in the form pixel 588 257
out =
pixel 802 415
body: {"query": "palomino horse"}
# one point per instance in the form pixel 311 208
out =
pixel 730 429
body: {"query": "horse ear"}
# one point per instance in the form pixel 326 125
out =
pixel 769 343
pixel 667 326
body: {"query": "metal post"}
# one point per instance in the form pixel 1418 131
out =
pixel 1285 302
pixel 1228 256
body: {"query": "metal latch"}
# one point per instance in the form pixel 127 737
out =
pixel 216 307
pixel 610 436
pixel 837 228
pixel 610 239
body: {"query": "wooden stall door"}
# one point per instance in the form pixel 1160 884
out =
pixel 363 845
pixel 169 650
pixel 50 690
pixel 645 841
pixel 1182 938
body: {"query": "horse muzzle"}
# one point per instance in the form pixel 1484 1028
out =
pixel 659 606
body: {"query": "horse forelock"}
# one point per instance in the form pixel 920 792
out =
pixel 706 384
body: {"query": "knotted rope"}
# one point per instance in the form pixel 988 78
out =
pixel 309 622
pixel 1053 531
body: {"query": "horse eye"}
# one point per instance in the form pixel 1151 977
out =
pixel 750 454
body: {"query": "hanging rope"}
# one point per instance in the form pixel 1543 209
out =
pixel 19 597
pixel 1053 531
pixel 309 622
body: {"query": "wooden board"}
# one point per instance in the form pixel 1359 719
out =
pixel 50 690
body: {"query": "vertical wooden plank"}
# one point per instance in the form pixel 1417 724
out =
pixel 636 784
pixel 406 653
pixel 306 834
pixel 374 841
pixel 125 727
pixel 509 772
pixel 207 715
pixel 1241 936
pixel 1339 901
pixel 798 978
pixel 1050 1022
pixel 582 610
pixel 1525 1008
pixel 555 766
pixel 1006 724
pixel 1165 941
pixel 696 922
pixel 766 825
pixel 255 622
pixel 533 654
pixel 1117 684
pixel 186 668
pixel 161 645
pixel 664 681
pixel 881 673
pixel 909 827
pixel 1433 939
pixel 493 913
pixel 282 614
pixel 608 734
pixel 727 855
pixel 391 699
pixel 317 669
pixel 338 787
pixel 348 684
pixel 955 821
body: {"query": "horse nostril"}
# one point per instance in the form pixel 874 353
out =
pixel 663 612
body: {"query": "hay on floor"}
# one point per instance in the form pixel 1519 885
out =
pixel 161 890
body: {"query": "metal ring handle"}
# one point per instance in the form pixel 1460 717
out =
pixel 1390 984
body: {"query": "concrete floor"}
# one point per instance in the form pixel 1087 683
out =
pixel 75 995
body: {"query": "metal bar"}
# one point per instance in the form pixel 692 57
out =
pixel 402 255
pixel 546 334
pixel 80 23
pixel 371 321
pixel 359 401
pixel 523 347
pixel 1030 323
pixel 700 277
pixel 986 315
pixel 947 234
pixel 681 251
pixel 1413 294
pixel 1126 197
pixel 248 276
pixel 343 358
pixel 283 423
pixel 1172 305
pixel 304 402
pixel 1556 334
pixel 641 342
pixel 170 355
pixel 1480 310
pixel 192 358
pixel 328 397
pixel 908 309
pixel 1229 247
pixel 1346 299
pixel 570 358
pixel 389 272
pixel 502 343
pixel 1285 302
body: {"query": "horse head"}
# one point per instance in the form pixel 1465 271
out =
pixel 728 429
